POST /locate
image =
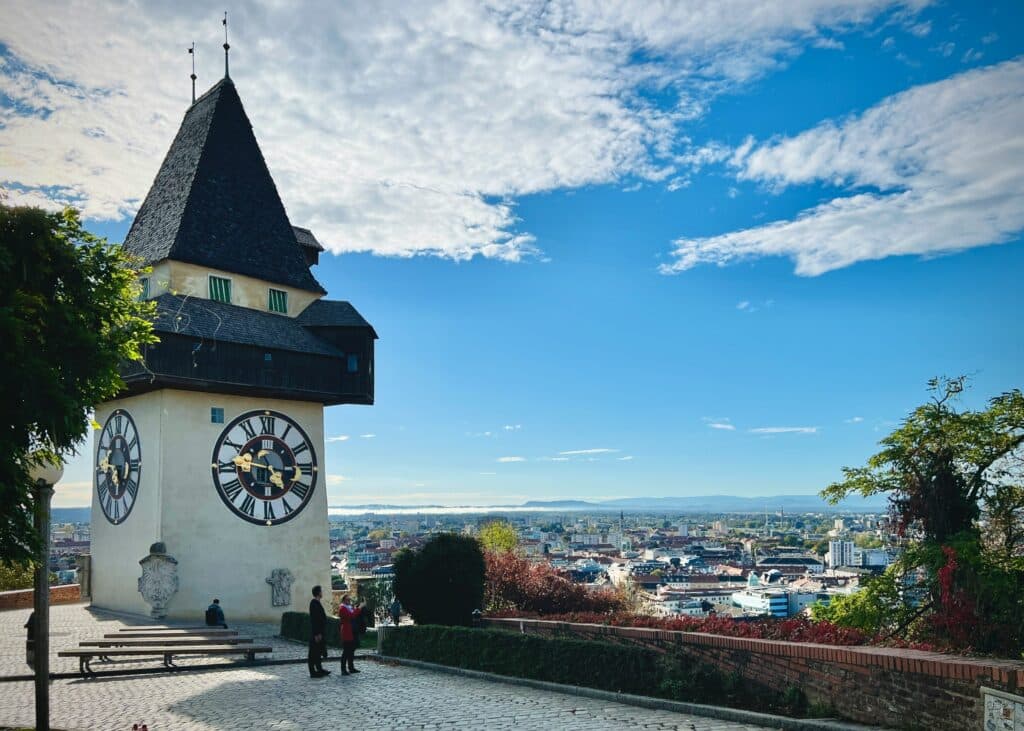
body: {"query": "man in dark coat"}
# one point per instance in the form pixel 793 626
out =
pixel 317 641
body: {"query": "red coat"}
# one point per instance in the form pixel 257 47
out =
pixel 346 616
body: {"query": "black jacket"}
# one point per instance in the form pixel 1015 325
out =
pixel 317 618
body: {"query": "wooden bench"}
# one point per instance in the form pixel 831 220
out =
pixel 139 635
pixel 167 653
pixel 168 641
pixel 165 628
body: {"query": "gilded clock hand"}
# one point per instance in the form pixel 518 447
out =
pixel 275 476
pixel 243 461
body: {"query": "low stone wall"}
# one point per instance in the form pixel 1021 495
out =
pixel 906 689
pixel 22 598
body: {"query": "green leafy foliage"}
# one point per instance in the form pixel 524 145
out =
pixel 69 315
pixel 377 596
pixel 957 586
pixel 15 576
pixel 941 462
pixel 443 582
pixel 499 535
pixel 606 666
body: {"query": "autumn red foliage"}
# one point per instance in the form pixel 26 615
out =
pixel 516 584
pixel 794 629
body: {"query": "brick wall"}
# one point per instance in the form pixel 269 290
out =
pixel 907 689
pixel 22 599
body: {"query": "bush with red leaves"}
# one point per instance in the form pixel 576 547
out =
pixel 519 585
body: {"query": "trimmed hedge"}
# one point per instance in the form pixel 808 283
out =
pixel 295 626
pixel 605 666
pixel 571 662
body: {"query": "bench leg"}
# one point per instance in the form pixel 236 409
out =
pixel 84 667
pixel 250 656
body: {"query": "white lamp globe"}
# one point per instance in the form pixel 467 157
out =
pixel 47 472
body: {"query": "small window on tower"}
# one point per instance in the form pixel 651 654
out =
pixel 278 301
pixel 216 415
pixel 353 363
pixel 220 289
pixel 144 294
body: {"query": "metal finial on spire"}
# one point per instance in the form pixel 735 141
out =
pixel 227 46
pixel 192 53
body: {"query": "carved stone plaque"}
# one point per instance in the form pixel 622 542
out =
pixel 159 580
pixel 281 581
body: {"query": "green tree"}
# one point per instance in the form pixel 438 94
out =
pixel 378 595
pixel 16 575
pixel 866 540
pixel 443 582
pixel 1004 509
pixel 941 463
pixel 939 467
pixel 378 535
pixel 499 535
pixel 69 315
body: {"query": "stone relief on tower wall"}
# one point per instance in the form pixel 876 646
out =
pixel 159 580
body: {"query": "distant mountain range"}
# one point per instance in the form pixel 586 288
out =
pixel 720 504
pixel 695 504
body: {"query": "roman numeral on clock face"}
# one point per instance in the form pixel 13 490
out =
pixel 249 505
pixel 267 424
pixel 247 427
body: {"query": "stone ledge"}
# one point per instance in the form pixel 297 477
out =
pixel 1008 672
pixel 22 598
pixel 725 714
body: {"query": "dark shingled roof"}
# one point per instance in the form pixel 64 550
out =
pixel 306 238
pixel 332 313
pixel 213 203
pixel 211 320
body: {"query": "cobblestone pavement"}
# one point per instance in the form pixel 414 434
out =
pixel 284 697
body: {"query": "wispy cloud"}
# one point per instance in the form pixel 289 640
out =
pixel 600 450
pixel 785 430
pixel 336 479
pixel 721 425
pixel 745 304
pixel 488 473
pixel 511 459
pixel 627 458
pixel 990 38
pixel 936 169
pixel 414 130
pixel 512 427
pixel 339 438
pixel 367 436
pixel 854 420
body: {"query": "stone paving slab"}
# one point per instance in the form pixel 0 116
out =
pixel 284 698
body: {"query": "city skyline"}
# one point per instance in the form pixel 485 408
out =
pixel 607 255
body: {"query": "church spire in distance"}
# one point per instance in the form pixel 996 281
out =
pixel 192 53
pixel 227 46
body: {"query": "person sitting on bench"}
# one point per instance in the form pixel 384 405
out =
pixel 215 615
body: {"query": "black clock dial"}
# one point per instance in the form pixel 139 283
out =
pixel 118 466
pixel 264 467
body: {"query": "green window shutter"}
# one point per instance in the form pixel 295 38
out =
pixel 278 301
pixel 144 295
pixel 220 289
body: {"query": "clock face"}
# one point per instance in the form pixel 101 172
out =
pixel 118 466
pixel 264 467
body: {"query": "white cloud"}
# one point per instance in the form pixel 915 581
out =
pixel 336 479
pixel 945 49
pixel 990 38
pixel 785 430
pixel 512 427
pixel 600 450
pixel 558 459
pixel 627 458
pixel 488 473
pixel 511 459
pixel 933 170
pixel 971 55
pixel 72 494
pixel 398 128
pixel 367 436
pixel 721 425
pixel 742 305
pixel 921 29
pixel 339 438
pixel 854 420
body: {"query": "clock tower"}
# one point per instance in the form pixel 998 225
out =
pixel 215 447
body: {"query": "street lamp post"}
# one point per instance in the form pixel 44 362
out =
pixel 45 476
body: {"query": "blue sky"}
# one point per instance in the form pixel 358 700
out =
pixel 607 255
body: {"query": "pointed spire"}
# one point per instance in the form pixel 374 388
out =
pixel 227 46
pixel 192 53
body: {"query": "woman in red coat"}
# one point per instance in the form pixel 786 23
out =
pixel 346 613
